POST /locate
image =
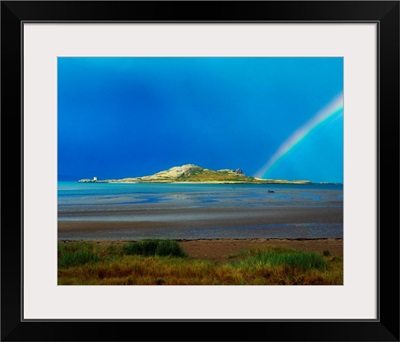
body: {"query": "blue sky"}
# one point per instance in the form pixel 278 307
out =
pixel 127 117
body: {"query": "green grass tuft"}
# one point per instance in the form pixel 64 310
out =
pixel 302 261
pixel 145 247
pixel 76 254
pixel 154 247
pixel 169 248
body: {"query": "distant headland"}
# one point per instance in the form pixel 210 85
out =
pixel 191 173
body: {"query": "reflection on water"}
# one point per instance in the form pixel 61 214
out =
pixel 200 210
pixel 102 196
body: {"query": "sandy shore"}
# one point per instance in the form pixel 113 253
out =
pixel 198 217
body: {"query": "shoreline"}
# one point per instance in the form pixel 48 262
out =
pixel 207 182
pixel 201 223
pixel 184 218
pixel 266 182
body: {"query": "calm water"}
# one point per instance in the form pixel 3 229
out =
pixel 199 210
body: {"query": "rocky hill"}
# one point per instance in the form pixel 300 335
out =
pixel 194 173
pixel 191 173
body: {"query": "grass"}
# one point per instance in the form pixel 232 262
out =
pixel 202 175
pixel 75 254
pixel 295 260
pixel 163 262
pixel 154 247
pixel 205 175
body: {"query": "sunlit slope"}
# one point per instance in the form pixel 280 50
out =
pixel 197 174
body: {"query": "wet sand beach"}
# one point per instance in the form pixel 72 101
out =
pixel 199 211
pixel 199 223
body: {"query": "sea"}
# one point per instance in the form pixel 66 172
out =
pixel 133 211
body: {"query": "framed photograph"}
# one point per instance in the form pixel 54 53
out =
pixel 172 165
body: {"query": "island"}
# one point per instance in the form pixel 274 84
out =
pixel 191 173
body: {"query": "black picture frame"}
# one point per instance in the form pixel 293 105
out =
pixel 384 13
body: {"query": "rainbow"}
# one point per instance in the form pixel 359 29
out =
pixel 334 107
